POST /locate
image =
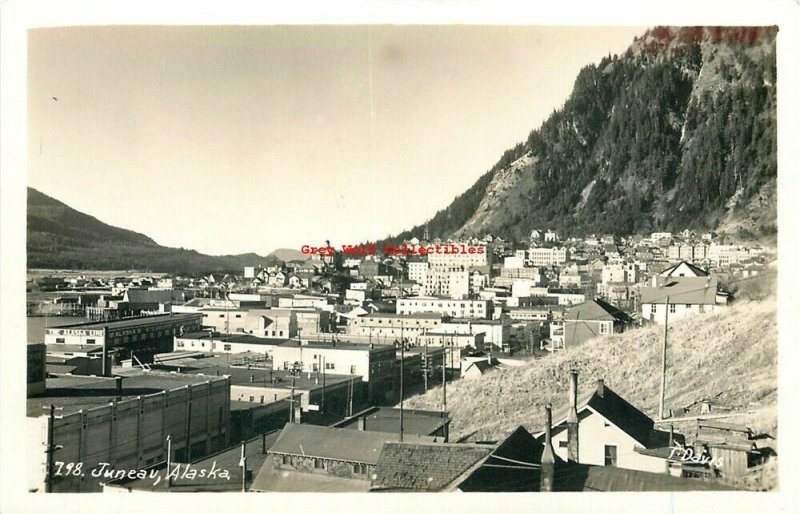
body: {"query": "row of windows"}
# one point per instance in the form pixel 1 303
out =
pixel 610 453
pixel 358 468
pixel 672 307
pixel 181 344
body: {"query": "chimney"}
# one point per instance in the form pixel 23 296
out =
pixel 601 388
pixel 362 423
pixel 548 460
pixel 572 418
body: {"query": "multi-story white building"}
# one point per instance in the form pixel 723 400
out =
pixel 495 332
pixel 300 300
pixel 725 255
pixel 623 272
pixel 661 238
pixel 446 306
pixel 515 262
pixel 381 325
pixel 418 271
pixel 459 261
pixel 676 297
pixel 547 256
pixel 459 284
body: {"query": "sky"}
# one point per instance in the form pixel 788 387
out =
pixel 234 139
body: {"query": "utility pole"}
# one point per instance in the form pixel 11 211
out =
pixel 243 464
pixel 291 402
pixel 444 385
pixel 402 365
pixel 664 360
pixel 51 447
pixel 425 369
pixel 350 393
pixel 169 459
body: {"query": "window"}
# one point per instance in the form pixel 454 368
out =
pixel 688 306
pixel 603 328
pixel 238 315
pixel 352 370
pixel 652 308
pixel 319 464
pixel 285 460
pixel 360 469
pixel 59 339
pixel 329 365
pixel 90 341
pixel 610 455
pixel 221 315
pixel 563 444
pixel 179 344
pixel 226 347
pixel 672 308
pixel 252 398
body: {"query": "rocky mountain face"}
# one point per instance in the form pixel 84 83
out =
pixel 678 132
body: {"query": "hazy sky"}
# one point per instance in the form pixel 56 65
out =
pixel 237 139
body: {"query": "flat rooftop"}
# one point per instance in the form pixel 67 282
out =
pixel 477 321
pixel 387 419
pixel 263 377
pixel 233 338
pixel 339 345
pixel 74 393
pixel 424 315
pixel 131 322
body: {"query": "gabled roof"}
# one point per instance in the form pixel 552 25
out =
pixel 616 410
pixel 336 443
pixel 698 272
pixel 596 310
pixel 482 366
pixel 682 290
pixel 513 466
pixel 424 467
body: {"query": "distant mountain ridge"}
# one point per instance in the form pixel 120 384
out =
pixel 678 132
pixel 59 237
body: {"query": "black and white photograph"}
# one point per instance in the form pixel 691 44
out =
pixel 393 255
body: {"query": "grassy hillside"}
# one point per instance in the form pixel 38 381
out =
pixel 730 357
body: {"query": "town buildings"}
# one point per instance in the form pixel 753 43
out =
pixel 674 298
pixel 132 338
pixel 595 318
pixel 125 422
pixel 448 307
